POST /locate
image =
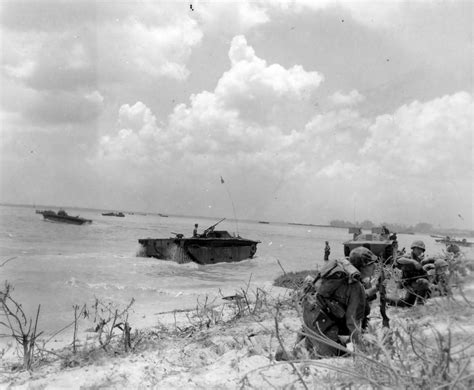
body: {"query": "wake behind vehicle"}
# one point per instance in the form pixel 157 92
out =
pixel 213 246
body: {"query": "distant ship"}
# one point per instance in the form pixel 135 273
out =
pixel 120 214
pixel 63 217
pixel 213 246
pixel 448 240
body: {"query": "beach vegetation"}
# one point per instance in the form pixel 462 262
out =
pixel 294 280
pixel 23 329
pixel 234 339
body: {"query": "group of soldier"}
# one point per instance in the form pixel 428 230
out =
pixel 336 303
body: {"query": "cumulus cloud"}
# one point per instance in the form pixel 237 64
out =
pixel 73 48
pixel 226 119
pixel 230 16
pixel 249 106
pixel 138 140
pixel 338 168
pixel 425 138
pixel 250 74
pixel 371 13
pixel 159 49
pixel 348 99
pixel 222 129
pixel 263 92
pixel 253 120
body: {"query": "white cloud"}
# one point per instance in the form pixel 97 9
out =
pixel 249 75
pixel 230 16
pixel 349 99
pixel 431 139
pixel 21 71
pixel 94 97
pixel 265 93
pixel 139 140
pixel 159 49
pixel 260 122
pixel 381 13
pixel 136 117
pixel 57 53
pixel 157 43
pixel 221 131
pixel 344 170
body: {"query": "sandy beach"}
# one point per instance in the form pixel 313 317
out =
pixel 231 344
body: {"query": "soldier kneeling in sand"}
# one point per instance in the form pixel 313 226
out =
pixel 336 306
pixel 414 278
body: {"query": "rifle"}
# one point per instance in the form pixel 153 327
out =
pixel 211 228
pixel 383 290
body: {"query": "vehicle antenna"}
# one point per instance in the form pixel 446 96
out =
pixel 233 207
pixel 355 202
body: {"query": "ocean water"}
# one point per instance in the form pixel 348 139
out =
pixel 60 265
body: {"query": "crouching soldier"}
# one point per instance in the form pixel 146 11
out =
pixel 337 305
pixel 438 275
pixel 414 278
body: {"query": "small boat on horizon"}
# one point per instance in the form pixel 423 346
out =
pixel 63 217
pixel 119 214
pixel 448 240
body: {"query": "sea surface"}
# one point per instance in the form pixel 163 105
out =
pixel 58 265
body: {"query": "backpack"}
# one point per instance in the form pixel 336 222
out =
pixel 317 297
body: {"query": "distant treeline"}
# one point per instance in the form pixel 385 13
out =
pixel 421 227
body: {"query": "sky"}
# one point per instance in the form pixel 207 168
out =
pixel 308 110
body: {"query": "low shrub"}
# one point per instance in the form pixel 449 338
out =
pixel 293 280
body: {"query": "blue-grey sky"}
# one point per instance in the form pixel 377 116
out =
pixel 309 110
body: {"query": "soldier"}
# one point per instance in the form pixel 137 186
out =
pixel 337 306
pixel 453 248
pixel 414 277
pixel 195 231
pixel 327 251
pixel 438 275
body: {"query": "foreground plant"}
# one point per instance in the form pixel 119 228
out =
pixel 20 327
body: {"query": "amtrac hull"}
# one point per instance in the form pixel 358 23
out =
pixel 201 250
pixel 69 220
pixel 63 217
pixel 380 243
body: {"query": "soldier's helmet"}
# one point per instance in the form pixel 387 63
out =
pixel 441 263
pixel 361 257
pixel 418 244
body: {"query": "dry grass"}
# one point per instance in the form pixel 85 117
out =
pixel 237 337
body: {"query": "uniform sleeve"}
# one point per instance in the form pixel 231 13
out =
pixel 407 264
pixel 355 308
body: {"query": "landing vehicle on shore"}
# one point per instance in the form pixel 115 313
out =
pixel 380 241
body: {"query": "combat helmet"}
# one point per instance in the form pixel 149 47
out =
pixel 361 257
pixel 418 244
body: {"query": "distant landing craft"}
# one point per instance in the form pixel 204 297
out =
pixel 63 217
